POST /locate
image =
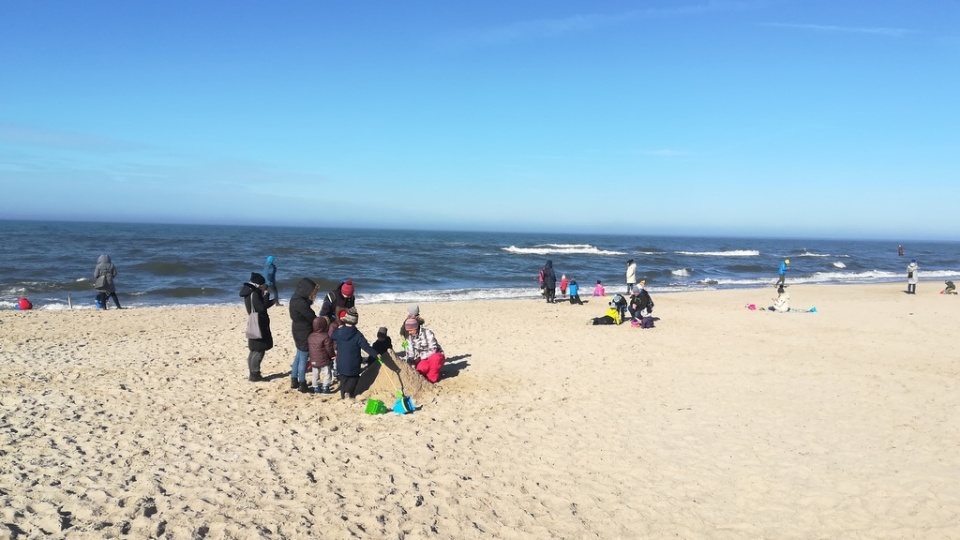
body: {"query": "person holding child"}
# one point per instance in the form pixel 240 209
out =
pixel 424 349
pixel 350 344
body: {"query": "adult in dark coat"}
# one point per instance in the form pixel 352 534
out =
pixel 301 323
pixel 550 282
pixel 103 276
pixel 257 300
pixel 337 300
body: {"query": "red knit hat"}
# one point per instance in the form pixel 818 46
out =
pixel 347 288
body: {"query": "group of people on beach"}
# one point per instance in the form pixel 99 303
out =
pixel 639 305
pixel 329 346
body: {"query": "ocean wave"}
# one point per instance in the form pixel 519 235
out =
pixel 680 272
pixel 561 249
pixel 838 264
pixel 651 252
pixel 731 253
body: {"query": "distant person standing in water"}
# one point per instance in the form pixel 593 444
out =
pixel 631 275
pixel 103 276
pixel 900 250
pixel 912 276
pixel 270 274
pixel 782 273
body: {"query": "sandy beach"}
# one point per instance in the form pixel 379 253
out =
pixel 721 422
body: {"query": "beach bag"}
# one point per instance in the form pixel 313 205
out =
pixel 253 326
pixel 646 322
pixel 101 282
pixel 910 274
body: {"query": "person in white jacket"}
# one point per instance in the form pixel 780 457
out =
pixel 631 275
pixel 782 302
pixel 912 276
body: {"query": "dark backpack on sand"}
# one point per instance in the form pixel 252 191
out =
pixel 646 322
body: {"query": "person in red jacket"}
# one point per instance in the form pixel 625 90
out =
pixel 23 304
pixel 321 351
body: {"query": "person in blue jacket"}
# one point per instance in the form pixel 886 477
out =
pixel 350 342
pixel 782 273
pixel 270 274
pixel 575 292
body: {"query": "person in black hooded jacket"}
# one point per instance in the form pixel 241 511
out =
pixel 301 323
pixel 550 282
pixel 257 300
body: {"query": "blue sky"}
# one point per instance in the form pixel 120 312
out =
pixel 770 118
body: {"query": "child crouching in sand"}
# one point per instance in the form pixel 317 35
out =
pixel 321 350
pixel 350 342
pixel 424 350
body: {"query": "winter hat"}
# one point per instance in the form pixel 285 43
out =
pixel 269 259
pixel 413 310
pixel 257 278
pixel 913 260
pixel 786 261
pixel 411 325
pixel 382 331
pixel 352 317
pixel 347 288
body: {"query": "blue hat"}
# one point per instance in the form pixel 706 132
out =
pixel 913 260
pixel 270 259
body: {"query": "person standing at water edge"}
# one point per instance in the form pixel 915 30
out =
pixel 103 276
pixel 900 250
pixel 782 273
pixel 631 275
pixel 301 323
pixel 912 276
pixel 270 274
pixel 256 299
pixel 549 282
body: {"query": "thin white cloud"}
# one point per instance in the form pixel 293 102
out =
pixel 874 30
pixel 574 24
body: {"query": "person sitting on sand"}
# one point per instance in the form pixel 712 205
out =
pixel 641 305
pixel 424 349
pixel 599 290
pixel 782 303
pixel 950 287
pixel 322 351
pixel 350 344
pixel 612 315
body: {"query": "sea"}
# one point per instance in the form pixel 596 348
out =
pixel 52 263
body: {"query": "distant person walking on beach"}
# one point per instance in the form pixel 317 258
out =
pixel 301 323
pixel 782 273
pixel 912 276
pixel 270 273
pixel 549 282
pixel 900 250
pixel 631 275
pixel 256 299
pixel 103 276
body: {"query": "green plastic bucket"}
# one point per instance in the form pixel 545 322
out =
pixel 375 406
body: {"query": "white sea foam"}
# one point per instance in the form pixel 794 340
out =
pixel 839 264
pixel 651 252
pixel 731 253
pixel 681 272
pixel 561 249
pixel 808 254
pixel 82 279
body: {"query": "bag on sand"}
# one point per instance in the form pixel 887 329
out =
pixel 646 322
pixel 253 326
pixel 101 282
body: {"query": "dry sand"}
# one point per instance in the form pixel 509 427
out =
pixel 719 423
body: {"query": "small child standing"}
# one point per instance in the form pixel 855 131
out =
pixel 575 292
pixel 321 352
pixel 563 284
pixel 599 290
pixel 350 344
pixel 382 344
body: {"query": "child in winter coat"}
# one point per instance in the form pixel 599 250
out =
pixel 575 292
pixel 350 344
pixel 382 344
pixel 563 284
pixel 322 351
pixel 599 290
